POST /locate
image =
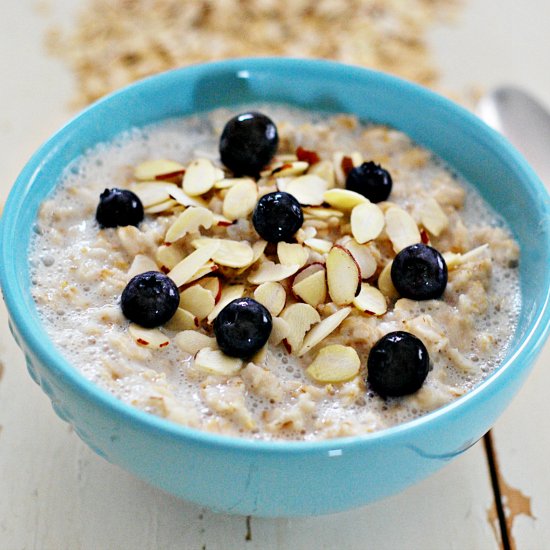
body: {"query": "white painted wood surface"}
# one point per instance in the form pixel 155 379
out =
pixel 56 494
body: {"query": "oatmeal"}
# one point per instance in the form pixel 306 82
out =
pixel 290 283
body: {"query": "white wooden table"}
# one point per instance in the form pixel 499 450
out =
pixel 56 494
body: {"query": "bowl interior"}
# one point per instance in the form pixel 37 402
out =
pixel 477 153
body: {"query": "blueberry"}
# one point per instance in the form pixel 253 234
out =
pixel 397 365
pixel 242 327
pixel 150 299
pixel 248 142
pixel 419 272
pixel 371 181
pixel 277 216
pixel 118 207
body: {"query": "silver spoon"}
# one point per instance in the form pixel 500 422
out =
pixel 523 121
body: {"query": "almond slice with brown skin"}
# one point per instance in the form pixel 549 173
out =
pixel 363 256
pixel 213 285
pixel 367 222
pixel 157 169
pixel 311 289
pixel 318 245
pixel 343 275
pixel 182 320
pixel 184 270
pixel 269 271
pixel 308 189
pixel 229 253
pixel 324 169
pixel 299 317
pixel 168 256
pixel 240 200
pixel 229 293
pixel 343 199
pixel 334 363
pixel 271 295
pixel 290 168
pixel 141 264
pixel 164 206
pixel 292 253
pixel 433 218
pixel 208 267
pixel 226 183
pixel 198 301
pixel 213 361
pixel 401 228
pixel 189 221
pixel 321 213
pixel 200 176
pixel 370 300
pixel 320 331
pixel 148 337
pixel 192 341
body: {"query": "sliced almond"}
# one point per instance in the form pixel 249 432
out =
pixel 343 275
pixel 229 293
pixel 200 176
pixel 334 363
pixel 271 295
pixel 258 249
pixel 308 189
pixel 367 222
pixel 321 213
pixel 189 221
pixel 151 193
pixel 292 253
pixel 213 361
pixel 184 270
pixel 343 199
pixel 213 285
pixel 370 300
pixel 279 331
pixel 320 331
pixel 299 317
pixel 228 253
pixel 182 320
pixel 141 264
pixel 312 289
pixel 454 260
pixel 385 283
pixel 271 272
pixel 324 169
pixel 240 199
pixel 157 169
pixel 433 218
pixel 401 228
pixel 208 267
pixel 198 301
pixel 226 183
pixel 221 221
pixel 363 256
pixel 168 256
pixel 290 168
pixel 307 271
pixel 318 245
pixel 181 197
pixel 148 337
pixel 163 206
pixel 192 341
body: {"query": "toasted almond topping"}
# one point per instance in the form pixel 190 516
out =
pixel 213 285
pixel 292 253
pixel 370 300
pixel 184 270
pixel 181 197
pixel 401 228
pixel 183 320
pixel 189 221
pixel 324 169
pixel 198 301
pixel 299 317
pixel 208 267
pixel 312 289
pixel 367 222
pixel 240 199
pixel 305 232
pixel 229 293
pixel 216 362
pixel 334 363
pixel 307 271
pixel 141 264
pixel 164 206
pixel 258 249
pixel 192 341
pixel 272 272
pixel 343 275
pixel 225 183
pixel 155 169
pixel 148 337
pixel 151 193
pixel 319 245
pixel 308 189
pixel 433 218
pixel 343 199
pixel 385 283
pixel 320 331
pixel 291 168
pixel 168 257
pixel 229 253
pixel 272 296
pixel 200 176
pixel 279 331
pixel 321 213
pixel 363 256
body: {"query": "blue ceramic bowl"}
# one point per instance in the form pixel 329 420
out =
pixel 284 478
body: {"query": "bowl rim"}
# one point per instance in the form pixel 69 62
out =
pixel 524 355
